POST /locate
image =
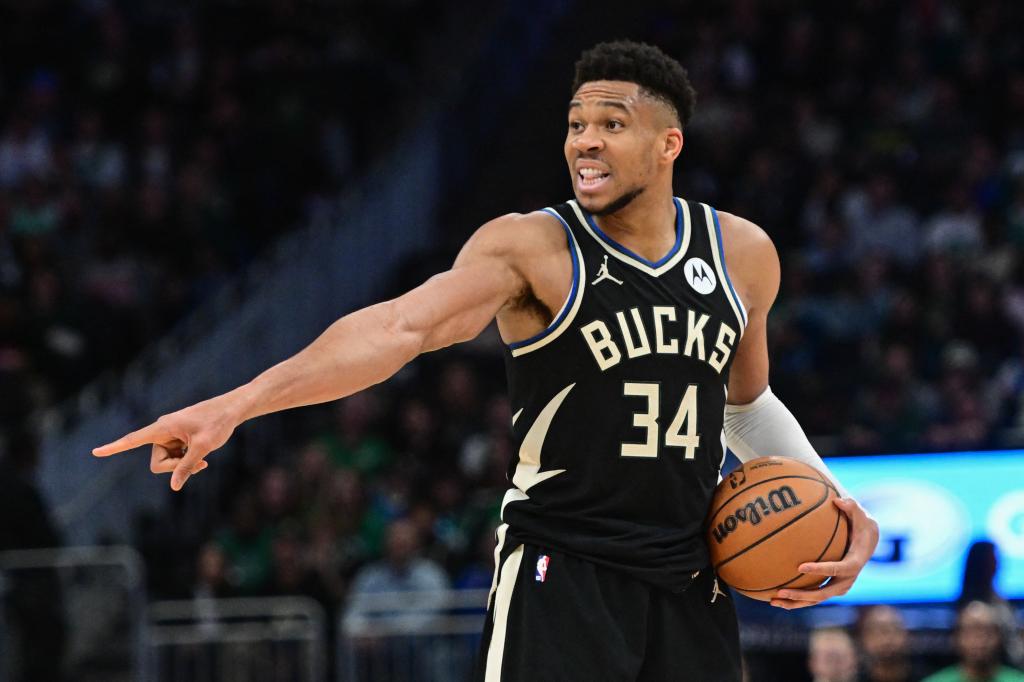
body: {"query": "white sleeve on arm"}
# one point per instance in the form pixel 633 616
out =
pixel 767 427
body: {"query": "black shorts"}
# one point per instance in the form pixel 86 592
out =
pixel 564 619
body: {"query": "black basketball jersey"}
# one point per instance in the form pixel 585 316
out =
pixel 618 405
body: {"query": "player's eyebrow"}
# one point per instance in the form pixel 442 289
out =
pixel 604 103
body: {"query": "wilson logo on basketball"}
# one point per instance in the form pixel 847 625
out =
pixel 779 500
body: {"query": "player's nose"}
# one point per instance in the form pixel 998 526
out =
pixel 587 141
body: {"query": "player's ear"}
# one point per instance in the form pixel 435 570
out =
pixel 672 144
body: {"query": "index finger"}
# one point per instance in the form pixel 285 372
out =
pixel 144 436
pixel 829 568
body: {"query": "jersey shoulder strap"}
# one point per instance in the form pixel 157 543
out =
pixel 705 244
pixel 568 217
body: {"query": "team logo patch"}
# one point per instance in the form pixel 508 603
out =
pixel 700 276
pixel 542 568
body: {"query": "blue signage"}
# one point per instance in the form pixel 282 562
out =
pixel 930 509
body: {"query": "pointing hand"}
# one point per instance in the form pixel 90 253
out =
pixel 181 440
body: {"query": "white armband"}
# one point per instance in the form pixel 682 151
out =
pixel 766 427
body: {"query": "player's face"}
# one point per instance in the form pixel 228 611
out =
pixel 612 144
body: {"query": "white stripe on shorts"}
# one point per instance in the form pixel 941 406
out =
pixel 503 599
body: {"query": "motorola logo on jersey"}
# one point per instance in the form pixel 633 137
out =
pixel 699 276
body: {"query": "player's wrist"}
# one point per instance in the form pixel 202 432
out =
pixel 241 404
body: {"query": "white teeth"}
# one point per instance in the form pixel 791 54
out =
pixel 591 172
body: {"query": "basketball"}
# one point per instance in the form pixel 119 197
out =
pixel 768 516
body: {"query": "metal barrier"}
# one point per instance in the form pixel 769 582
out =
pixel 410 636
pixel 271 639
pixel 75 612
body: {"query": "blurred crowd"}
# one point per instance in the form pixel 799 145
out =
pixel 882 147
pixel 148 150
pixel 879 649
pixel 986 643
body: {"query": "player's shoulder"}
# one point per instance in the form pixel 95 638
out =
pixel 751 258
pixel 520 234
pixel 745 238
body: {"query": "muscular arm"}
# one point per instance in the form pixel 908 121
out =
pixel 360 349
pixel 370 345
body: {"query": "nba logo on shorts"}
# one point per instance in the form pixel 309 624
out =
pixel 542 568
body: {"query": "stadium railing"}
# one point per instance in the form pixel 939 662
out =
pixel 274 639
pixel 82 609
pixel 423 636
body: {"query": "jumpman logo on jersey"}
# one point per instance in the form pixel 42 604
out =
pixel 716 591
pixel 603 274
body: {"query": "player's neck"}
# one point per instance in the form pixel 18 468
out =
pixel 647 226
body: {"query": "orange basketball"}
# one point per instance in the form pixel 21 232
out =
pixel 767 517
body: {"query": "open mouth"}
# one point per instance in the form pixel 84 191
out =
pixel 591 178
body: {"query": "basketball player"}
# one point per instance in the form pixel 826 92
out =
pixel 634 325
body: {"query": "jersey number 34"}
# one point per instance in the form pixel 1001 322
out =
pixel 681 432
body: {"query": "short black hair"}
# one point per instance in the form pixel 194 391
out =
pixel 657 74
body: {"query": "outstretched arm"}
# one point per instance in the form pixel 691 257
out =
pixel 357 351
pixel 758 424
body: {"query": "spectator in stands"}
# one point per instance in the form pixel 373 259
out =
pixel 290 572
pixel 246 543
pixel 277 495
pixel 962 420
pixel 211 573
pixel 879 224
pixel 411 586
pixel 978 642
pixel 354 443
pixel 312 477
pixel 885 646
pixel 403 569
pixel 957 228
pixel 831 656
pixel 979 580
pixel 460 403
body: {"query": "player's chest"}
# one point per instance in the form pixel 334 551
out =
pixel 642 317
